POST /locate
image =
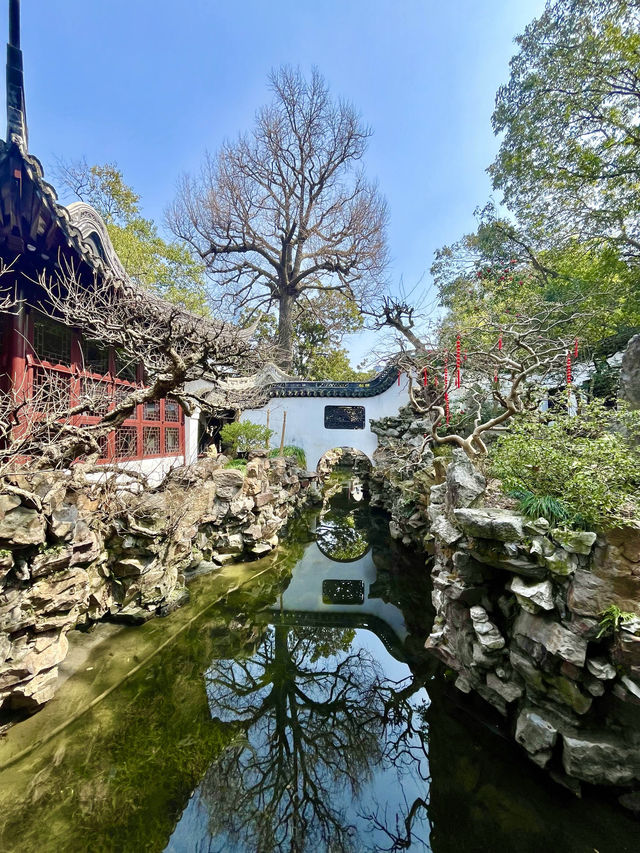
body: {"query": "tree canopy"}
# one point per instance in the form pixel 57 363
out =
pixel 569 161
pixel 284 211
pixel 169 268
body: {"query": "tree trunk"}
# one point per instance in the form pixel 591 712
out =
pixel 285 331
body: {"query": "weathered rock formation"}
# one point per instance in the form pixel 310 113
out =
pixel 67 558
pixel 518 617
pixel 403 475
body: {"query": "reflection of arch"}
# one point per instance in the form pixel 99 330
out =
pixel 359 549
pixel 377 626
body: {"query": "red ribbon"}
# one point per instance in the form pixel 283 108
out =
pixel 424 376
pixel 446 385
pixel 575 348
pixel 500 341
pixel 399 375
pixel 458 361
pixel 568 367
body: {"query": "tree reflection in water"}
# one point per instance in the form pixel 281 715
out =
pixel 318 723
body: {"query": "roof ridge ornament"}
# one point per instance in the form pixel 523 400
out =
pixel 16 109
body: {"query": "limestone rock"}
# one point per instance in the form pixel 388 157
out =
pixel 228 482
pixel 22 526
pixel 601 669
pixel 601 759
pixel 575 541
pixel 561 563
pixel 552 636
pixel 509 690
pixel 535 733
pixel 444 530
pixel 464 484
pixel 630 373
pixel 490 524
pixel 589 594
pixel 538 594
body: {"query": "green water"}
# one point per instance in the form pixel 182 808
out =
pixel 288 707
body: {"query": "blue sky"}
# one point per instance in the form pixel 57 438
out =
pixel 152 84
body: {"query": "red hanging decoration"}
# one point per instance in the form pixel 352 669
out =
pixel 435 381
pixel 399 375
pixel 569 368
pixel 575 348
pixel 458 361
pixel 495 377
pixel 465 355
pixel 424 376
pixel 446 385
pixel 500 341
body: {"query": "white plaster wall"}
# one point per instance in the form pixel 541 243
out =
pixel 191 438
pixel 305 421
pixel 154 469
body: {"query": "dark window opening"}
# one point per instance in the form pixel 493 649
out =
pixel 342 592
pixel 344 417
pixel 51 341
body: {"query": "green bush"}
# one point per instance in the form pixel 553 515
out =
pixel 541 506
pixel 238 464
pixel 291 450
pixel 241 436
pixel 588 462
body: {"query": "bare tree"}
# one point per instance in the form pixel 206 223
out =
pixel 490 372
pixel 284 211
pixel 43 427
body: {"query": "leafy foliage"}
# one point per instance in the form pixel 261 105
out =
pixel 611 619
pixel 544 506
pixel 320 323
pixel 290 450
pixel 241 436
pixel 166 267
pixel 570 156
pixel 589 462
pixel 237 464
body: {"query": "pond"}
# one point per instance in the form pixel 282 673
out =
pixel 289 706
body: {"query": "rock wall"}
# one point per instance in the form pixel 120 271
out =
pixel 519 610
pixel 401 480
pixel 68 558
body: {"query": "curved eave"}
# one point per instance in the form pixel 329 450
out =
pixel 378 385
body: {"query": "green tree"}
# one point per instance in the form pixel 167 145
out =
pixel 152 262
pixel 319 326
pixel 569 161
pixel 496 266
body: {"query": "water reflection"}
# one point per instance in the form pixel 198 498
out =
pixel 343 527
pixel 330 752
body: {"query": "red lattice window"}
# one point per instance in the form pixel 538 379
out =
pixel 150 441
pixel 171 440
pixel 152 411
pixel 51 341
pixel 51 389
pixel 97 394
pixel 126 441
pixel 171 411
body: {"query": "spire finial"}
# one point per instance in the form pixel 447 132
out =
pixel 16 110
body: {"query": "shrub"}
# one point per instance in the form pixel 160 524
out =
pixel 241 436
pixel 291 450
pixel 588 462
pixel 238 464
pixel 544 506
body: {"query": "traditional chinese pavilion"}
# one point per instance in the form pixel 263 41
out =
pixel 39 235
